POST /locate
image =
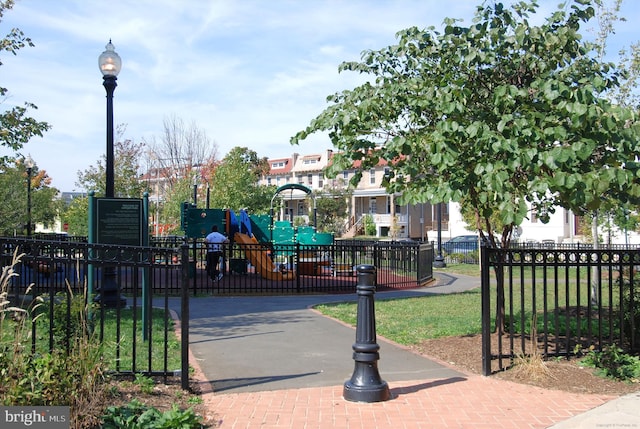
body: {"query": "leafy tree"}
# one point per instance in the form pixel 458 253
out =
pixel 234 183
pixel 76 216
pixel 331 209
pixel 13 193
pixel 127 184
pixel 16 127
pixel 623 94
pixel 493 115
pixel 170 213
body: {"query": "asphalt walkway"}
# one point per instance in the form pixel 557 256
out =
pixel 271 362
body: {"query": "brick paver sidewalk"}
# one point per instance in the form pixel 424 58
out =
pixel 465 402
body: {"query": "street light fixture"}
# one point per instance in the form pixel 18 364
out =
pixel 29 164
pixel 438 261
pixel 110 65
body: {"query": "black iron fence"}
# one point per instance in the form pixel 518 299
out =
pixel 297 268
pixel 53 266
pixel 558 301
pixel 141 338
pixel 53 279
pixel 468 252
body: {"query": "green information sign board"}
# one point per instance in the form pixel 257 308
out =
pixel 119 221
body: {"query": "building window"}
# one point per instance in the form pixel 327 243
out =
pixel 372 176
pixel 278 164
pixel 310 179
pixel 269 181
pixel 345 176
pixel 320 181
pixel 278 181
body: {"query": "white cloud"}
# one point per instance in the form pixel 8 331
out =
pixel 251 72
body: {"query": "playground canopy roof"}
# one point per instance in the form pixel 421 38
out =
pixel 293 186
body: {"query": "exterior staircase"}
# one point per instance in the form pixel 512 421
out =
pixel 354 228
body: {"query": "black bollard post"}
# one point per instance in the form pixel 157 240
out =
pixel 365 384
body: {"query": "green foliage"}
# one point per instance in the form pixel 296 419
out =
pixel 170 209
pixel 299 221
pixel 70 375
pixel 76 216
pixel 494 115
pixel 13 193
pixel 120 349
pixel 145 383
pixel 630 309
pixel 69 318
pixel 127 156
pixel 369 225
pixel 331 209
pixel 16 127
pixel 234 182
pixel 612 362
pixel 136 415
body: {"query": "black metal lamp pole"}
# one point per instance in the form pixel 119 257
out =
pixel 110 65
pixel 438 261
pixel 29 164
pixel 110 84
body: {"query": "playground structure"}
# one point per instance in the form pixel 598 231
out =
pixel 263 245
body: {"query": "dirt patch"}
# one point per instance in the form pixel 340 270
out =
pixel 465 354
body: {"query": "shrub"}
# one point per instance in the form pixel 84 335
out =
pixel 71 375
pixel 136 415
pixel 612 362
pixel 369 225
pixel 630 309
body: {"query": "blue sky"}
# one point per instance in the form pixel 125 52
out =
pixel 248 72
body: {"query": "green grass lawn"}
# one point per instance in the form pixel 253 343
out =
pixel 408 321
pixel 466 269
pixel 149 355
pixel 117 339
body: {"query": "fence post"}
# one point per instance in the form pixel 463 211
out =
pixel 365 384
pixel 184 317
pixel 297 250
pixel 486 310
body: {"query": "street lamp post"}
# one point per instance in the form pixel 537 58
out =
pixel 29 164
pixel 438 261
pixel 110 65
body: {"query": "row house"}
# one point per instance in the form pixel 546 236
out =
pixel 416 221
pixel 367 200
